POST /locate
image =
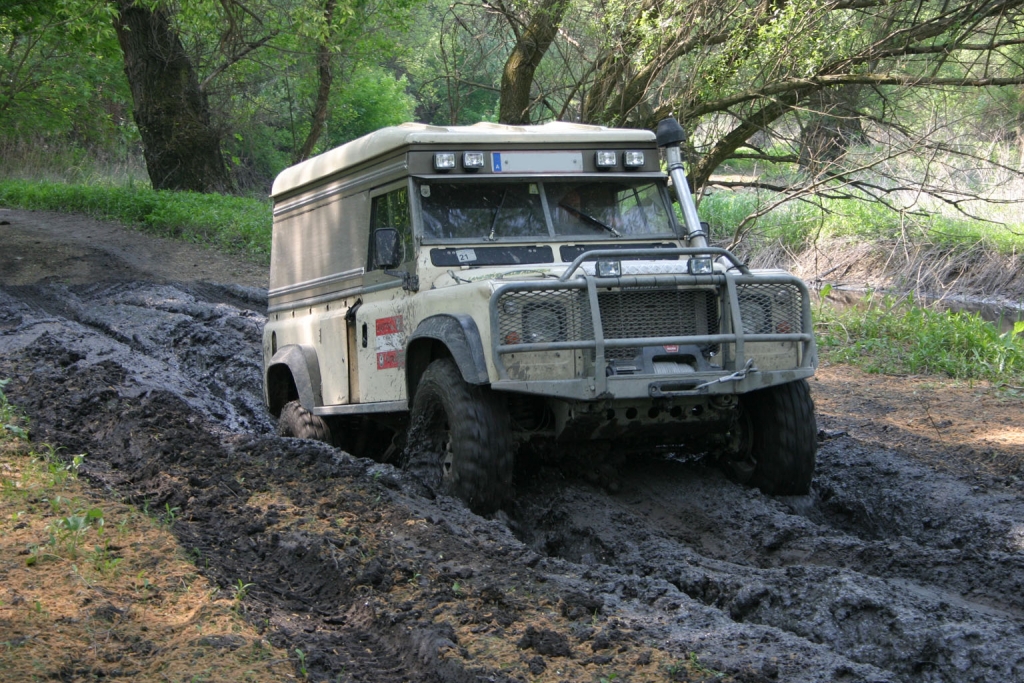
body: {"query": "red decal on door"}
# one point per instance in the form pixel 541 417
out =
pixel 392 325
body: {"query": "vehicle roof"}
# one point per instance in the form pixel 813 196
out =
pixel 388 139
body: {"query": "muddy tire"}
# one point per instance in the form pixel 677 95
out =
pixel 459 442
pixel 298 422
pixel 779 440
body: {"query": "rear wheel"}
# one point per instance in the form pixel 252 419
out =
pixel 459 442
pixel 298 422
pixel 776 440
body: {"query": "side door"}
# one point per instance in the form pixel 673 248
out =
pixel 382 322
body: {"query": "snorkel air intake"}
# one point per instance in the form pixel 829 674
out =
pixel 670 134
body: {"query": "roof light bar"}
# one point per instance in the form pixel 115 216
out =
pixel 472 160
pixel 605 159
pixel 633 159
pixel 444 161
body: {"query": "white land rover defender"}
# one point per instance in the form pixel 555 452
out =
pixel 476 289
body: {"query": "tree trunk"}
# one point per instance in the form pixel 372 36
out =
pixel 323 92
pixel 181 148
pixel 832 126
pixel 522 63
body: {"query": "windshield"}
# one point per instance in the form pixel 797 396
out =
pixel 550 209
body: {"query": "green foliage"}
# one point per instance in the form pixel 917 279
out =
pixel 9 417
pixel 373 98
pixel 240 590
pixel 68 533
pixel 60 71
pixel 170 515
pixel 236 224
pixel 896 336
pixel 448 58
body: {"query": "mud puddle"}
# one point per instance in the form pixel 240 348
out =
pixel 888 571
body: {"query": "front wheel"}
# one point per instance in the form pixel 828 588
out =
pixel 776 440
pixel 298 422
pixel 459 439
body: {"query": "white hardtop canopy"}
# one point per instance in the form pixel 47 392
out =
pixel 388 139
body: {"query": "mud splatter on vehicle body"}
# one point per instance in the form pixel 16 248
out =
pixel 493 288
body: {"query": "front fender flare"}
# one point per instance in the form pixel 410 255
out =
pixel 301 363
pixel 458 333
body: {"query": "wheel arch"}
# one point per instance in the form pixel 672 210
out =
pixel 293 374
pixel 452 335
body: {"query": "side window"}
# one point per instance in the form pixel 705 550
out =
pixel 391 210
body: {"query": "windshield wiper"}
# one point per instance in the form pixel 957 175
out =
pixel 587 218
pixel 494 222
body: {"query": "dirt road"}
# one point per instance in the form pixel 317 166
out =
pixel 905 563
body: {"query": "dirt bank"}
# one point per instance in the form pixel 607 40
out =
pixel 905 563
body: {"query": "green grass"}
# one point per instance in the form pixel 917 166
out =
pixel 897 336
pixel 235 224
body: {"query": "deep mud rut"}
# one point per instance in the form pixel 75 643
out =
pixel 888 571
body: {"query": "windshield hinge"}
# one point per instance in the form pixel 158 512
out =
pixel 410 282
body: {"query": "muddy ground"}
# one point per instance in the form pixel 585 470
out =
pixel 905 563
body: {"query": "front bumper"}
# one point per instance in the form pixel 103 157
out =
pixel 656 336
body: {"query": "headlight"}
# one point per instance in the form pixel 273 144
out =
pixel 472 160
pixel 543 323
pixel 609 269
pixel 700 265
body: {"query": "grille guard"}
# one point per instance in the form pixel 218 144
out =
pixel 734 375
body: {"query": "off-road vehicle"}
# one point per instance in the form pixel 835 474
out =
pixel 484 289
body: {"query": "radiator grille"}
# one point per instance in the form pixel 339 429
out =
pixel 564 315
pixel 656 313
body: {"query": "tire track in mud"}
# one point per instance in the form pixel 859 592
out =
pixel 114 379
pixel 886 562
pixel 888 571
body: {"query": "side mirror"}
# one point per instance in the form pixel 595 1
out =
pixel 387 248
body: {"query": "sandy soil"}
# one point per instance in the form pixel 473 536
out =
pixel 905 563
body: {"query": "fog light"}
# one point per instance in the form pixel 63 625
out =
pixel 605 159
pixel 472 160
pixel 609 269
pixel 444 161
pixel 700 265
pixel 632 159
